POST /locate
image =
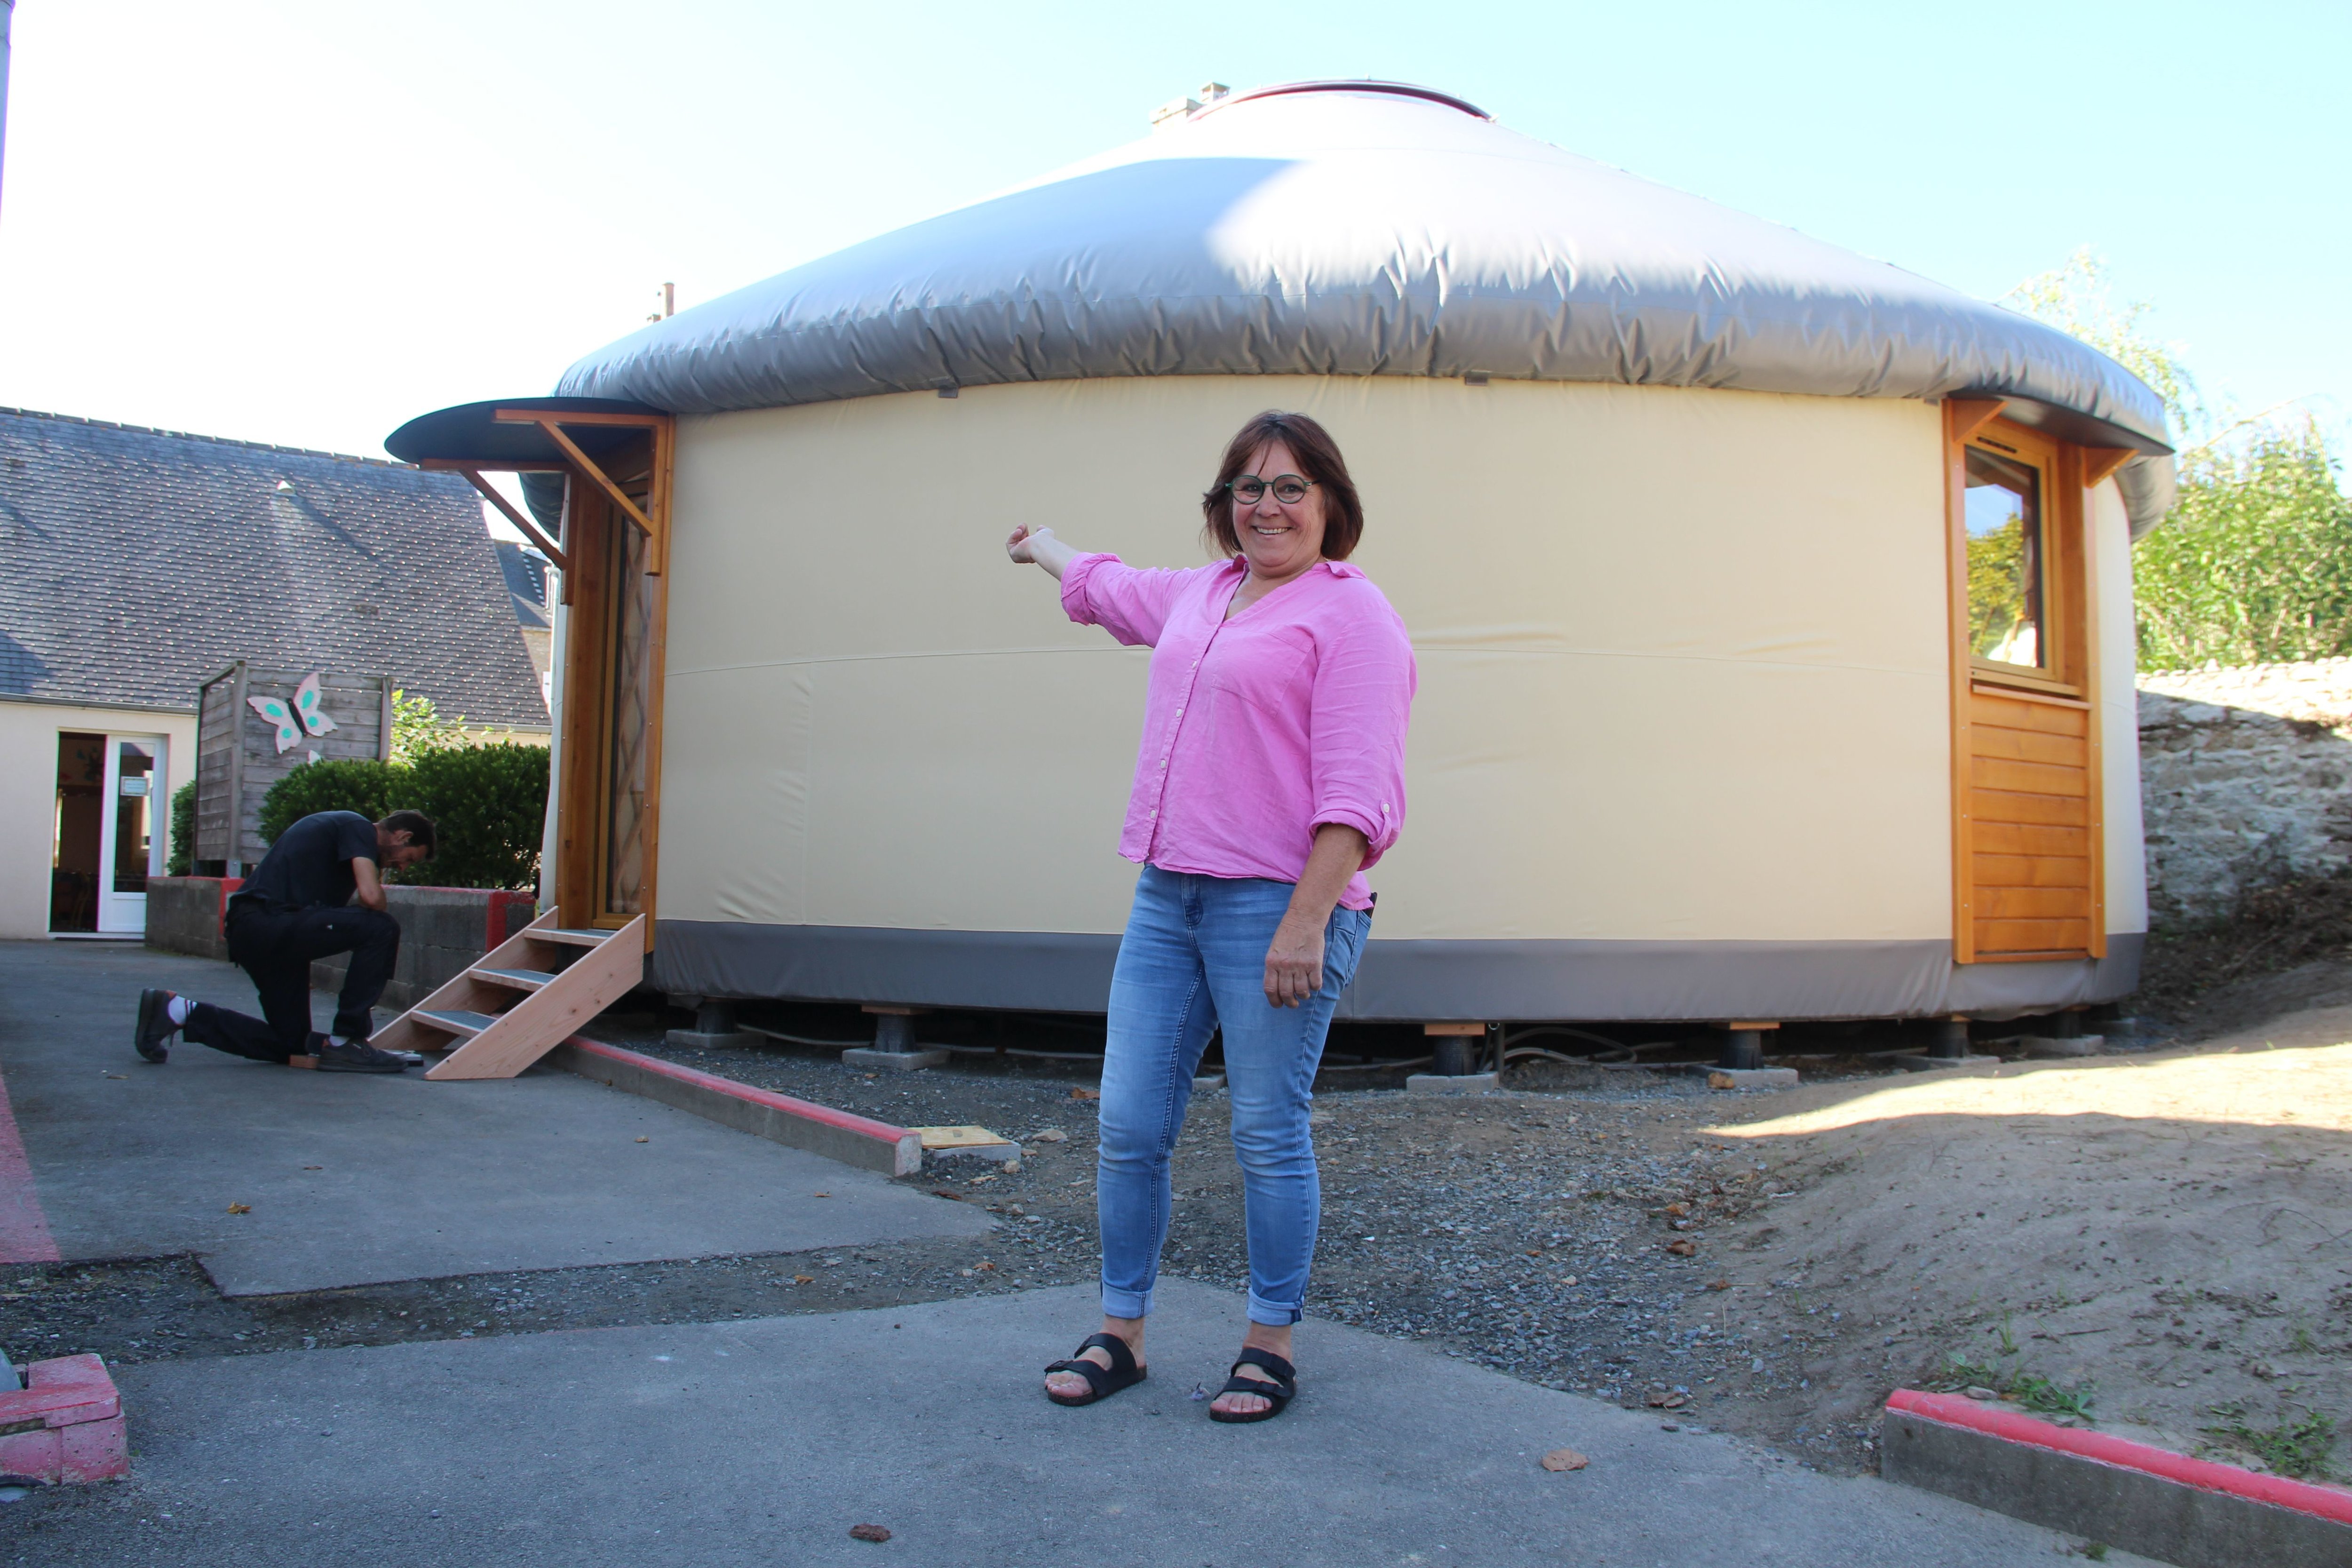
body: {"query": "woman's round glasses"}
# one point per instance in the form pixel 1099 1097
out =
pixel 1289 489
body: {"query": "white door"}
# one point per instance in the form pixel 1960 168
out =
pixel 129 841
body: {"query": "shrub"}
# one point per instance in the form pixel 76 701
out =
pixel 2255 566
pixel 372 789
pixel 184 831
pixel 489 805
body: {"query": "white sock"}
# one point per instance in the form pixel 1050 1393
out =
pixel 178 1008
pixel 337 1040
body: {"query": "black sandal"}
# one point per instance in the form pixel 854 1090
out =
pixel 1100 1384
pixel 1280 1392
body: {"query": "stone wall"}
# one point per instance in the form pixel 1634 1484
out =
pixel 443 931
pixel 2246 778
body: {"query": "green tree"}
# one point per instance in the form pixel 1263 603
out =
pixel 417 727
pixel 2253 565
pixel 2078 301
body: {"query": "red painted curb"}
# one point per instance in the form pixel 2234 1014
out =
pixel 1957 1410
pixel 24 1230
pixel 807 1109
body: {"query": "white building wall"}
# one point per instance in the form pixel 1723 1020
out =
pixel 29 791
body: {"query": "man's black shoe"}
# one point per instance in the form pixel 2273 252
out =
pixel 356 1055
pixel 153 1037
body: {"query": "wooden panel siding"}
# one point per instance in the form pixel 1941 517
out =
pixel 2032 877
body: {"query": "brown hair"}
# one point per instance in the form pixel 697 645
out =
pixel 418 827
pixel 1320 462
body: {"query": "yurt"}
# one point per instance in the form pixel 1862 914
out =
pixel 1772 604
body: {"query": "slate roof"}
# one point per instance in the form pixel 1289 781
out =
pixel 136 563
pixel 526 575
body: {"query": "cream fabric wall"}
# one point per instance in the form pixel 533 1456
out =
pixel 1682 654
pixel 28 795
pixel 2111 565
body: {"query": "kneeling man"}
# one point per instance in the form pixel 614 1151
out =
pixel 296 907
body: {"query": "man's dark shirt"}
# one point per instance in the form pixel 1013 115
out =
pixel 310 864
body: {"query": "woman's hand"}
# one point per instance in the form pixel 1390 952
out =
pixel 1038 545
pixel 1294 964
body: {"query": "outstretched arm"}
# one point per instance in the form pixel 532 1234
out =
pixel 1039 545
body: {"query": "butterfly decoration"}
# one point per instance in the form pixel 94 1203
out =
pixel 308 712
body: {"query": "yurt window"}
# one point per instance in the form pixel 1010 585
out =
pixel 2006 597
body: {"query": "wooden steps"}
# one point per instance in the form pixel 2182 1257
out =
pixel 523 1000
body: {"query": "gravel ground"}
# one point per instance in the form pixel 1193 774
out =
pixel 1552 1231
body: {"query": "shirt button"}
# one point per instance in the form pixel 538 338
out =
pixel 1155 811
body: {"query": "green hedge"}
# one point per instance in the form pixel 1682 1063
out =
pixel 183 858
pixel 374 790
pixel 490 804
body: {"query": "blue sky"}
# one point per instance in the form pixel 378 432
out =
pixel 303 223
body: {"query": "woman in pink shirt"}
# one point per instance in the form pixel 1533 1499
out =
pixel 1271 777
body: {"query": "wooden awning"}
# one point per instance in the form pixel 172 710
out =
pixel 545 435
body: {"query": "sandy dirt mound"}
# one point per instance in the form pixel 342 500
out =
pixel 2164 1241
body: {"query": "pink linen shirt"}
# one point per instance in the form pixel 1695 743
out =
pixel 1257 729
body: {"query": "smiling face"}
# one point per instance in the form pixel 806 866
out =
pixel 1278 539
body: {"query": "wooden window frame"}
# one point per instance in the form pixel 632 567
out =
pixel 2069 680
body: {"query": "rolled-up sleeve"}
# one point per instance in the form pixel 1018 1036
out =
pixel 1364 683
pixel 1129 603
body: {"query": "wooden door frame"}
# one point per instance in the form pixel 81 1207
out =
pixel 595 503
pixel 2071 621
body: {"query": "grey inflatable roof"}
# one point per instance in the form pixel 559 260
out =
pixel 1352 228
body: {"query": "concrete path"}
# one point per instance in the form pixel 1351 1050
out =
pixel 763 1442
pixel 353 1179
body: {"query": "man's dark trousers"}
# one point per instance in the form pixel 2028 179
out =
pixel 275 947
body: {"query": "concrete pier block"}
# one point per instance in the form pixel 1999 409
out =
pixel 866 1059
pixel 1451 1083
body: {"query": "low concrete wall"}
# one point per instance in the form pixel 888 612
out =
pixel 184 914
pixel 442 930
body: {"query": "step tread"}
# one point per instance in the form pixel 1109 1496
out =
pixel 528 979
pixel 457 1020
pixel 568 938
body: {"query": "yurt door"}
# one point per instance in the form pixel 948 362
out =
pixel 609 811
pixel 2028 875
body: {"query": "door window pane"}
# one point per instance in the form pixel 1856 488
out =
pixel 132 814
pixel 2006 602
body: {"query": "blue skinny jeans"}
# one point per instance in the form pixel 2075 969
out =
pixel 1193 960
